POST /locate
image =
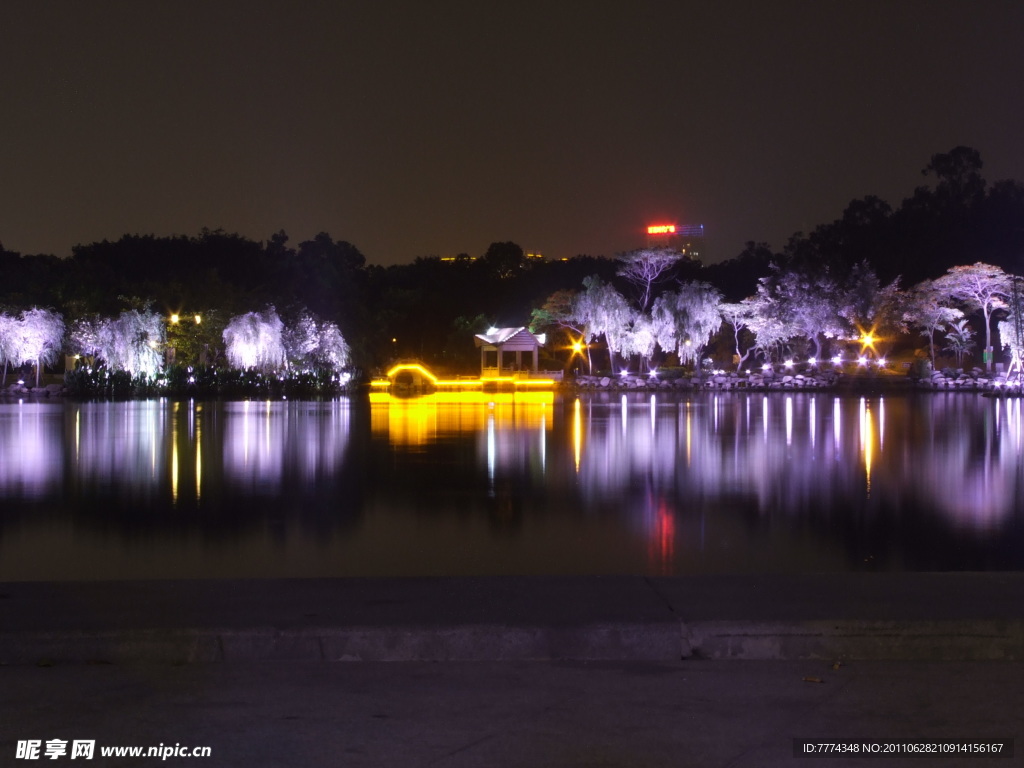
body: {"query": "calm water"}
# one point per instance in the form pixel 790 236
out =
pixel 604 484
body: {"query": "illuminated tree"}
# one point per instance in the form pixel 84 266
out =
pixel 254 340
pixel 925 309
pixel 7 353
pixel 770 334
pixel 1011 330
pixel 557 316
pixel 869 306
pixel 332 351
pixel 686 319
pixel 134 341
pixel 959 340
pixel 645 267
pixel 640 339
pixel 318 344
pixel 300 339
pixel 35 337
pixel 738 315
pixel 809 301
pixel 603 311
pixel 981 287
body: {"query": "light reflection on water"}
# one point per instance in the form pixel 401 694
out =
pixel 623 483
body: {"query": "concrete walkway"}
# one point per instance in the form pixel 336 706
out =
pixel 514 714
pixel 923 617
pixel 564 672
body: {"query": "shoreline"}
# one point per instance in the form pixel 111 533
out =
pixel 973 382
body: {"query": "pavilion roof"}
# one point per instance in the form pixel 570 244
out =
pixel 501 337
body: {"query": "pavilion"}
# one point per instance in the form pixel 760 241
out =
pixel 499 344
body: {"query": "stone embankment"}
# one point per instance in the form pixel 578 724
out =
pixel 15 391
pixel 761 382
pixel 974 380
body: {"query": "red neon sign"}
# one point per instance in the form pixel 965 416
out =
pixel 661 229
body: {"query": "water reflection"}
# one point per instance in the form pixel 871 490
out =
pixel 29 435
pixel 958 456
pixel 533 483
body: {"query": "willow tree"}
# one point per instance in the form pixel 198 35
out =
pixel 134 342
pixel 320 344
pixel 641 339
pixel 35 336
pixel 254 340
pixel 603 311
pixel 686 320
pixel 7 352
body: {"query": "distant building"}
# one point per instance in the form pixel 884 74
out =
pixel 688 239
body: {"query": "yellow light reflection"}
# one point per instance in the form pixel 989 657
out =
pixel 867 441
pixel 175 469
pixel 419 420
pixel 689 440
pixel 199 454
pixel 577 433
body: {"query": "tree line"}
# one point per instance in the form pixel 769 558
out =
pixel 860 271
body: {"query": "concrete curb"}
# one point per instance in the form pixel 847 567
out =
pixel 936 617
pixel 633 642
pixel 667 642
pixel 859 640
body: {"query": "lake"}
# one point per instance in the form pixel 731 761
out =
pixel 531 484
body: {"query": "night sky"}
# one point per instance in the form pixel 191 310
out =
pixel 414 128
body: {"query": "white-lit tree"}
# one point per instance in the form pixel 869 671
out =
pixel 134 342
pixel 603 311
pixel 640 339
pixel 772 329
pixel 6 343
pixel 1012 338
pixel 332 351
pixel 809 302
pixel 926 308
pixel 981 287
pixel 254 340
pixel 300 339
pixel 738 315
pixel 1011 330
pixel 308 342
pixel 84 335
pixel 35 336
pixel 646 267
pixel 959 340
pixel 686 319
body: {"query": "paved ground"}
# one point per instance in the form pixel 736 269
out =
pixel 702 713
pixel 519 672
pixel 851 616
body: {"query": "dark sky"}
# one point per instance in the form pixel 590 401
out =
pixel 412 128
